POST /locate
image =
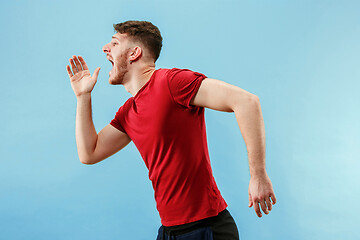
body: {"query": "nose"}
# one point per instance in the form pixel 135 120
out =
pixel 105 48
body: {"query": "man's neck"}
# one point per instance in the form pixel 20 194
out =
pixel 138 77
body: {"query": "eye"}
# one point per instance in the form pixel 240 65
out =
pixel 114 43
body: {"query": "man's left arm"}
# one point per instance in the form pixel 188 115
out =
pixel 221 96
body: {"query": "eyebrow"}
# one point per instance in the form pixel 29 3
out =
pixel 115 38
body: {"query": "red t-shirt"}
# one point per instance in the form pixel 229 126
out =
pixel 170 135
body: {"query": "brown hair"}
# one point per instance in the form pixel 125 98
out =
pixel 144 32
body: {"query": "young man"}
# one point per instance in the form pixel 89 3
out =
pixel 165 120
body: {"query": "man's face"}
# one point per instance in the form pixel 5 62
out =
pixel 117 52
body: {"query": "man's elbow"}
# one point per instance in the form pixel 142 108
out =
pixel 255 98
pixel 87 160
pixel 87 163
pixel 242 101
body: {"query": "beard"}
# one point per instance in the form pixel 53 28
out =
pixel 119 70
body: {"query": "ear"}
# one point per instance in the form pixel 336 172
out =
pixel 135 54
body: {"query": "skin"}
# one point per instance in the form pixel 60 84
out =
pixel 133 66
pixel 221 96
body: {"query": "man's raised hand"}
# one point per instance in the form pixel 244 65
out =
pixel 81 80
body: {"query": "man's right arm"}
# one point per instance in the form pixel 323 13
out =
pixel 93 147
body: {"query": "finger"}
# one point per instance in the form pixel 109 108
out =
pixel 83 63
pixel 250 200
pixel 74 69
pixel 268 203
pixel 69 71
pixel 78 65
pixel 263 206
pixel 273 198
pixel 257 209
pixel 96 73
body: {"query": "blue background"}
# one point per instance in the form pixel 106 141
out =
pixel 301 58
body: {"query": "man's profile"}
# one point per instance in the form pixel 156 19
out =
pixel 165 120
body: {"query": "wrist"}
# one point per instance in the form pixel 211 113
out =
pixel 83 96
pixel 261 172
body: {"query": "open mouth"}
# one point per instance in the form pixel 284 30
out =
pixel 109 58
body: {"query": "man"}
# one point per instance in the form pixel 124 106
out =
pixel 165 120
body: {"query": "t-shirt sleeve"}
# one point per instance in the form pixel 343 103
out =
pixel 184 84
pixel 116 122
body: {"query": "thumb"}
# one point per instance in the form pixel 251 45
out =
pixel 96 73
pixel 250 200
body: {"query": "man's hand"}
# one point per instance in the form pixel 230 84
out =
pixel 260 191
pixel 81 80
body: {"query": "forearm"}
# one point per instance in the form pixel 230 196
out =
pixel 251 124
pixel 85 131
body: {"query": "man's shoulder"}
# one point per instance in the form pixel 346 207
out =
pixel 173 69
pixel 166 73
pixel 171 72
pixel 127 104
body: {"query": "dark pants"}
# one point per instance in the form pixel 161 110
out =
pixel 220 227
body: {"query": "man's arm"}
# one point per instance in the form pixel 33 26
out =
pixel 221 96
pixel 92 147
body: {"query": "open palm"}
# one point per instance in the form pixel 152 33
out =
pixel 80 78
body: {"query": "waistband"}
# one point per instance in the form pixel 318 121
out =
pixel 188 227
